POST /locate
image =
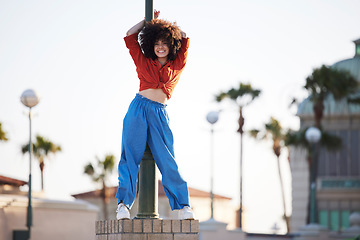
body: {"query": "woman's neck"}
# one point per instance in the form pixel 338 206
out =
pixel 162 61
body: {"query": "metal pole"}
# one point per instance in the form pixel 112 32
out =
pixel 29 208
pixel 240 130
pixel 148 190
pixel 149 10
pixel 313 207
pixel 241 184
pixel 212 172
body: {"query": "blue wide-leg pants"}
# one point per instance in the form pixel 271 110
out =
pixel 147 122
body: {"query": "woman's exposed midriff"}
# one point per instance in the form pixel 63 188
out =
pixel 156 95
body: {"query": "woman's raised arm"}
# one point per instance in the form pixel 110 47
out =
pixel 137 27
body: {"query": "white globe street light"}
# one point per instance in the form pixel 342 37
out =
pixel 313 136
pixel 212 118
pixel 30 99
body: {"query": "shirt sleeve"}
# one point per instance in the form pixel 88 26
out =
pixel 182 54
pixel 133 45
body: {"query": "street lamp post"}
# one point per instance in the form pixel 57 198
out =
pixel 147 183
pixel 241 131
pixel 313 136
pixel 212 118
pixel 30 99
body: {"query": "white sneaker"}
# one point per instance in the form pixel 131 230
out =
pixel 122 212
pixel 186 213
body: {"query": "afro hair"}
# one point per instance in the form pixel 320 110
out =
pixel 158 29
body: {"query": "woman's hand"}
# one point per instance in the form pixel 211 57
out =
pixel 183 34
pixel 156 14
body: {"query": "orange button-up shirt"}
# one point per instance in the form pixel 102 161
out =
pixel 150 72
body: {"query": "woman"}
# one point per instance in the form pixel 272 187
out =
pixel 159 50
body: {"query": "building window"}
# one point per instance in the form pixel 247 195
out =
pixel 345 223
pixel 355 153
pixel 324 218
pixel 334 220
pixel 344 162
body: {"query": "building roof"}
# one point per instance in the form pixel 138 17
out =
pixel 351 65
pixel 11 181
pixel 112 192
pixel 341 107
pixel 331 107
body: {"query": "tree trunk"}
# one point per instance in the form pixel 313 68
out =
pixel 319 112
pixel 286 218
pixel 241 121
pixel 104 198
pixel 42 165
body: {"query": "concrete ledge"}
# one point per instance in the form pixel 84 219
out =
pixel 147 229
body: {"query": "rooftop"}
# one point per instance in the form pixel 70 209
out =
pixel 112 192
pixel 11 181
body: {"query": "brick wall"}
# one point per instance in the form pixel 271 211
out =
pixel 147 229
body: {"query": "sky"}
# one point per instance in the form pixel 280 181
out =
pixel 73 55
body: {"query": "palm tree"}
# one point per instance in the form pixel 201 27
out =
pixel 105 168
pixel 274 130
pixel 3 136
pixel 242 96
pixel 42 149
pixel 324 81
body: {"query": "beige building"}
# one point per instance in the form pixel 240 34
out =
pixel 338 184
pixel 52 219
pixel 224 210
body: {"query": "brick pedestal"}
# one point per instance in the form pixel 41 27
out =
pixel 147 229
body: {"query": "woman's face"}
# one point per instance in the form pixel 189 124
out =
pixel 161 49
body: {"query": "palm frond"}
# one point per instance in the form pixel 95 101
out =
pixel 3 136
pixel 89 169
pixel 254 133
pixel 244 90
pixel 353 100
pixel 109 162
pixel 104 168
pixel 330 141
pixel 296 138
